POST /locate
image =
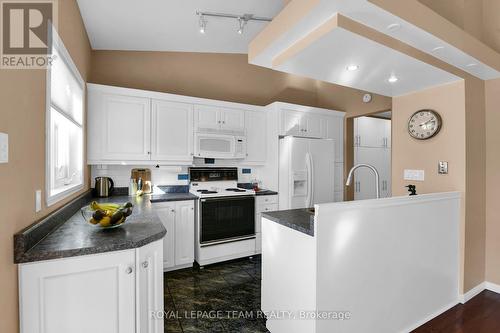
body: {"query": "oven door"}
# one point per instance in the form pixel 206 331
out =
pixel 226 219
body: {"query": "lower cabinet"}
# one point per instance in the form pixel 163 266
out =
pixel 178 246
pixel 264 203
pixel 99 293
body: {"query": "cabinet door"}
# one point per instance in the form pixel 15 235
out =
pixel 184 233
pixel 314 126
pixel 94 293
pixel 167 216
pixel 233 120
pixel 386 175
pixel 149 259
pixel 335 131
pixel 127 123
pixel 387 133
pixel 290 123
pixel 172 135
pixel 364 177
pixel 207 117
pixel 370 131
pixel 255 123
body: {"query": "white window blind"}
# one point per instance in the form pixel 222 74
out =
pixel 65 96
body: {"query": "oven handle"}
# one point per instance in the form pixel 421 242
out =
pixel 240 197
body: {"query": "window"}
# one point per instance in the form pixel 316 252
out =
pixel 64 153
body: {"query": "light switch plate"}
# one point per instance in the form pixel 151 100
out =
pixel 418 175
pixel 443 168
pixel 38 200
pixel 4 148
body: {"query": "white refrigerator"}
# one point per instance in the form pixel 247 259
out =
pixel 306 172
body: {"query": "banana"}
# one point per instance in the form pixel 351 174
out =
pixel 104 206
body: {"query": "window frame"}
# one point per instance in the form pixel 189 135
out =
pixel 58 44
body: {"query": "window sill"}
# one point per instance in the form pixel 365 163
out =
pixel 63 193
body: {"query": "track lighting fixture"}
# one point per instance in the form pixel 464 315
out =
pixel 242 20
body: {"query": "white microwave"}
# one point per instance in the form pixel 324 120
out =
pixel 209 145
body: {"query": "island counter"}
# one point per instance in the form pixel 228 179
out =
pixel 385 265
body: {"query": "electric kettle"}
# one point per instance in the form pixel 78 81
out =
pixel 103 186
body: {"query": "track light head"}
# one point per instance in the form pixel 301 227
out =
pixel 203 24
pixel 241 22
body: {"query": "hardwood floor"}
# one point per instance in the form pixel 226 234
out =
pixel 479 315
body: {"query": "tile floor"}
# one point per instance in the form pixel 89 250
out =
pixel 227 296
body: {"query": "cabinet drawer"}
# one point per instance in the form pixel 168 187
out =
pixel 267 208
pixel 267 199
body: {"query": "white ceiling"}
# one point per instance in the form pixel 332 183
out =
pixel 327 58
pixel 172 25
pixel 375 17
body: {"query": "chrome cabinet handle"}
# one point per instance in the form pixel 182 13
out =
pixel 129 270
pixel 145 264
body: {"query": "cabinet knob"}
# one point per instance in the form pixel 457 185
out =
pixel 192 208
pixel 129 270
pixel 172 210
pixel 145 264
pixel 224 122
pixel 149 153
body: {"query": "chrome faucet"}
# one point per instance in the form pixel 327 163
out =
pixel 372 168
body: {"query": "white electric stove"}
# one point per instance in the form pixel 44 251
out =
pixel 225 219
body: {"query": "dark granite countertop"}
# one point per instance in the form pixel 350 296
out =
pixel 266 192
pixel 173 197
pixel 298 219
pixel 76 237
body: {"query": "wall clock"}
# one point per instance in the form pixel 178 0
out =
pixel 424 124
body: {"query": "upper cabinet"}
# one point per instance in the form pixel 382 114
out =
pixel 372 132
pixel 129 126
pixel 214 118
pixel 256 137
pixel 172 131
pixel 302 124
pixel 121 127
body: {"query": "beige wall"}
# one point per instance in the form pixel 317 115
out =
pixel 22 116
pixel 448 145
pixel 224 77
pixel 492 181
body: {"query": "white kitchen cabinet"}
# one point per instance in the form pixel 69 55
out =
pixel 93 293
pixel 291 123
pixel 172 131
pixel 150 287
pixel 364 186
pixel 302 124
pixel 184 233
pixel 178 219
pixel 125 132
pixel 370 132
pixel 215 118
pixel 335 131
pixel 263 203
pixel 388 133
pixel 255 123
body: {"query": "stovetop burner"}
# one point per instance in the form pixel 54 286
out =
pixel 233 189
pixel 206 191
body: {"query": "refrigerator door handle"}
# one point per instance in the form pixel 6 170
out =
pixel 309 180
pixel 311 163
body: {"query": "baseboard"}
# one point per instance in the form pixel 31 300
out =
pixel 492 287
pixel 429 318
pixel 464 298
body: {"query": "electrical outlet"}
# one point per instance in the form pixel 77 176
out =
pixel 418 175
pixel 4 148
pixel 38 200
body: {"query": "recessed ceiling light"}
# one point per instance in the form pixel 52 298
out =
pixel 352 68
pixel 392 79
pixel 394 27
pixel 438 48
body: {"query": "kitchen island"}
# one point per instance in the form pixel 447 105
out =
pixel 385 265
